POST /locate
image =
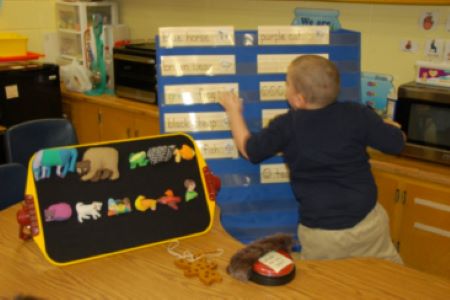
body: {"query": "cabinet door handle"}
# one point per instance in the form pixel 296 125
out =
pixel 100 117
pixel 404 196
pixel 136 133
pixel 397 195
pixel 128 132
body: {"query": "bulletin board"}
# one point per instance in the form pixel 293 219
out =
pixel 255 200
pixel 137 193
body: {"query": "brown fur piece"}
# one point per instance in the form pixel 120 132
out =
pixel 241 262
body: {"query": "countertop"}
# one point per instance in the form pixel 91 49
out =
pixel 150 273
pixel 113 101
pixel 409 167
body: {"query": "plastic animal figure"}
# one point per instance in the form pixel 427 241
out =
pixel 63 159
pixel 86 211
pixel 170 200
pixel 99 163
pixel 138 159
pixel 185 152
pixel 142 204
pixel 118 206
pixel 160 154
pixel 58 212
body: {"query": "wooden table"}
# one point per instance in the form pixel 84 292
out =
pixel 150 273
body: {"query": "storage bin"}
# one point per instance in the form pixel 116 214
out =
pixel 13 44
pixel 432 73
pixel 74 20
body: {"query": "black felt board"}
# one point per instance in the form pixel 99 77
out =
pixel 70 240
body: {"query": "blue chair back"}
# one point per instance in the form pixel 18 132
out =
pixel 24 139
pixel 12 184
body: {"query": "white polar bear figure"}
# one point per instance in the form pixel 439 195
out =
pixel 86 211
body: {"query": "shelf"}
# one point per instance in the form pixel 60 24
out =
pixel 28 56
pixel 69 31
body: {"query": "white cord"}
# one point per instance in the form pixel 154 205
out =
pixel 188 255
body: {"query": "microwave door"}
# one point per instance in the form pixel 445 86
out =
pixel 135 77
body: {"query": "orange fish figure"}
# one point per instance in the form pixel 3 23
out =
pixel 169 199
pixel 185 152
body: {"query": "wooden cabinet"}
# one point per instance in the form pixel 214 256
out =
pixel 117 124
pixel 425 230
pixel 105 118
pixel 419 209
pixel 388 196
pixel 85 119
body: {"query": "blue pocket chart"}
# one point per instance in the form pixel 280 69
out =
pixel 255 200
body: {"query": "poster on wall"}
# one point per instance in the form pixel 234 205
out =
pixel 407 45
pixel 434 47
pixel 428 21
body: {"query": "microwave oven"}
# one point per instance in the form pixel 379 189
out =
pixel 424 115
pixel 135 72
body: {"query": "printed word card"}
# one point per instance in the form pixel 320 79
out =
pixel 274 173
pixel 197 93
pixel 195 122
pixel 272 90
pixel 277 63
pixel 269 114
pixel 181 65
pixel 218 148
pixel 171 37
pixel 293 35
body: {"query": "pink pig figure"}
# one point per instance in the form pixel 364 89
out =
pixel 58 212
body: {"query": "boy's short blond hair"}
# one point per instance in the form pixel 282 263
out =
pixel 316 78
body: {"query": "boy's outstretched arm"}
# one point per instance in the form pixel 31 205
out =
pixel 233 107
pixel 395 124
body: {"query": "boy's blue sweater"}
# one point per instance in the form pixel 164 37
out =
pixel 325 150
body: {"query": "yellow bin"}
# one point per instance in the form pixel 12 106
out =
pixel 13 44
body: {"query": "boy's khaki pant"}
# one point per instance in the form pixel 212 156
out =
pixel 368 238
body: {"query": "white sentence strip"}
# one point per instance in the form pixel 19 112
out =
pixel 432 204
pixel 435 230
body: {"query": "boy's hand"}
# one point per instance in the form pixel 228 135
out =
pixel 395 124
pixel 233 107
pixel 392 122
pixel 230 102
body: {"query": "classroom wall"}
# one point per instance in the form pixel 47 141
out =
pixel 382 26
pixel 32 18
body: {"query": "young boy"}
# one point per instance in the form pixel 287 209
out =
pixel 324 145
